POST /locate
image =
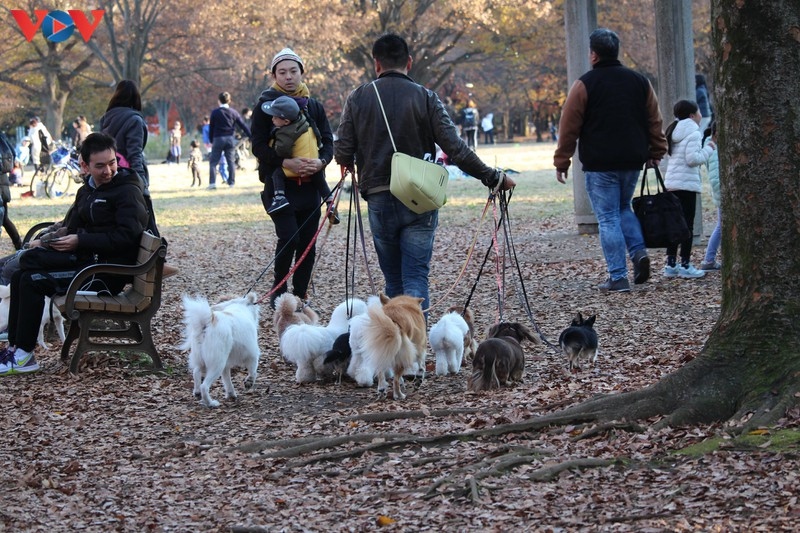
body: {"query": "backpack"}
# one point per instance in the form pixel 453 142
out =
pixel 469 117
pixel 7 154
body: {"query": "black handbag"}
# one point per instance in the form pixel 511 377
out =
pixel 660 215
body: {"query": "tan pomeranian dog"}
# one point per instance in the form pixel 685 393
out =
pixel 291 310
pixel 395 340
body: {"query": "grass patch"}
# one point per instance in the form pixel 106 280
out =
pixel 763 440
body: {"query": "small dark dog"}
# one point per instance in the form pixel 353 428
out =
pixel 338 357
pixel 499 359
pixel 579 341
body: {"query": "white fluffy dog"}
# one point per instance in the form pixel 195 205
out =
pixel 58 319
pixel 305 345
pixel 447 341
pixel 221 337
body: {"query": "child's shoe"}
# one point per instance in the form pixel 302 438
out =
pixel 670 271
pixel 689 272
pixel 278 203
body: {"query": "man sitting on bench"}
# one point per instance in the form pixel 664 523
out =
pixel 104 225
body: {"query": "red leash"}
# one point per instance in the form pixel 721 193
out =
pixel 300 260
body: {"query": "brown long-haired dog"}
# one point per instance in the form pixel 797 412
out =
pixel 470 344
pixel 499 359
pixel 395 339
pixel 289 310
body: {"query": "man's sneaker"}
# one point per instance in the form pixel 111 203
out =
pixel 713 265
pixel 641 267
pixel 618 285
pixel 690 272
pixel 278 202
pixel 211 187
pixel 670 271
pixel 20 364
pixel 333 215
pixel 4 336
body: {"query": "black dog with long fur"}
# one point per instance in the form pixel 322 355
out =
pixel 339 355
pixel 499 359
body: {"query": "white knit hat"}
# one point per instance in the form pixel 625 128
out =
pixel 286 53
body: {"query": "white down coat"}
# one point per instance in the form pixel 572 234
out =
pixel 683 166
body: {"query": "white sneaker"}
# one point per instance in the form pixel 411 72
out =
pixel 670 272
pixel 19 364
pixel 690 272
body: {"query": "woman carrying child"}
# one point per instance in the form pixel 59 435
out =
pixel 686 154
pixel 296 224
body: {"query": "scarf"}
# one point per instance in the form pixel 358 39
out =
pixel 300 95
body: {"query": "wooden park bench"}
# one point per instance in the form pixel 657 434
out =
pixel 123 317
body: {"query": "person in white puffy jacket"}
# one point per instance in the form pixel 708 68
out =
pixel 687 153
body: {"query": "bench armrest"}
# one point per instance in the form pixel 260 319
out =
pixel 109 268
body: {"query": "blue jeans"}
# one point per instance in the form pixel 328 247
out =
pixel 714 240
pixel 404 244
pixel 226 144
pixel 610 193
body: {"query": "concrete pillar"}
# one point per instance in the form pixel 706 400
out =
pixel 580 19
pixel 675 49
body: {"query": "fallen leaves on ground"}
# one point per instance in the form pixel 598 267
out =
pixel 120 448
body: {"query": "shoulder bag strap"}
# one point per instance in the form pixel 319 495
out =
pixel 383 111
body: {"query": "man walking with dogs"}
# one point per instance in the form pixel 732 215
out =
pixel 403 239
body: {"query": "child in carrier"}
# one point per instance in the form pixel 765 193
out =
pixel 294 137
pixel 195 158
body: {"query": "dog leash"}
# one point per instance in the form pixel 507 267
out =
pixel 470 251
pixel 301 258
pixel 514 260
pixel 358 231
pixel 332 208
pixel 504 198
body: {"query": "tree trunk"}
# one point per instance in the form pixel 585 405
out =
pixel 748 369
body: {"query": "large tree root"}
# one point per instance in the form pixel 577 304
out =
pixel 385 416
pixel 468 479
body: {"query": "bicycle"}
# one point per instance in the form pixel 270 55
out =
pixel 40 171
pixel 66 170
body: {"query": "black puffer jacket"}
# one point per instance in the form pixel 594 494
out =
pixel 109 220
pixel 129 130
pixel 262 131
pixel 418 120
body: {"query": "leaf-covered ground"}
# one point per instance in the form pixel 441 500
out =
pixel 119 448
